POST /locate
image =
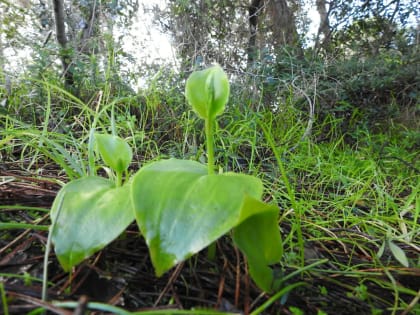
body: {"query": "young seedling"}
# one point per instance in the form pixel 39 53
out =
pixel 90 212
pixel 116 153
pixel 181 206
pixel 207 92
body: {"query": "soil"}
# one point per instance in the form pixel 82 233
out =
pixel 122 275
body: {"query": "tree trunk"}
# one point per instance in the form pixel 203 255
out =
pixel 324 26
pixel 284 25
pixel 88 44
pixel 5 79
pixel 1 46
pixel 254 10
pixel 65 53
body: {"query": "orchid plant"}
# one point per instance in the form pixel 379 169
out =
pixel 180 206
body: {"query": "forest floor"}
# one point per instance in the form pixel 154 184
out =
pixel 122 275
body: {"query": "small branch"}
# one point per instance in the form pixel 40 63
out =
pixel 311 119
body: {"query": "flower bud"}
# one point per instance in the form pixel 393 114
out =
pixel 115 152
pixel 207 91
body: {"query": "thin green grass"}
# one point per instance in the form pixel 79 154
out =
pixel 14 226
pixel 346 198
pixel 4 299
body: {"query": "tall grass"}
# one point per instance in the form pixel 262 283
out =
pixel 348 198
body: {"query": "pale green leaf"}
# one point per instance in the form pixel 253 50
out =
pixel 114 151
pixel 86 215
pixel 181 210
pixel 259 239
pixel 398 253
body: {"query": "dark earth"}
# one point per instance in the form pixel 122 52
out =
pixel 122 274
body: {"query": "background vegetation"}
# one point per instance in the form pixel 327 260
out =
pixel 328 119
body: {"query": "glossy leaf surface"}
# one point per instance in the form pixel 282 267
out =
pixel 88 214
pixel 207 91
pixel 181 210
pixel 114 151
pixel 259 239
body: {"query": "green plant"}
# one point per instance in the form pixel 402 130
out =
pixel 396 251
pixel 181 206
pixel 4 299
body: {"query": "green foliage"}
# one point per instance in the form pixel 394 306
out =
pixel 378 88
pixel 180 210
pixel 395 250
pixel 360 91
pixel 347 194
pixel 296 310
pixel 202 31
pixel 179 206
pixel 4 299
pixel 342 186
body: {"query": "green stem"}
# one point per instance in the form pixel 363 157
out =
pixel 211 251
pixel 118 182
pixel 210 145
pixel 91 156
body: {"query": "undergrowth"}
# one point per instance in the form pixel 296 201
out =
pixel 355 202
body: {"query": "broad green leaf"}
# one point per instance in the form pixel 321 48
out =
pixel 207 91
pixel 398 253
pixel 86 215
pixel 259 239
pixel 181 210
pixel 115 152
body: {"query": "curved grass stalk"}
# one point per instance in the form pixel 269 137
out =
pixel 47 254
pixel 297 226
pixel 4 299
pixel 275 297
